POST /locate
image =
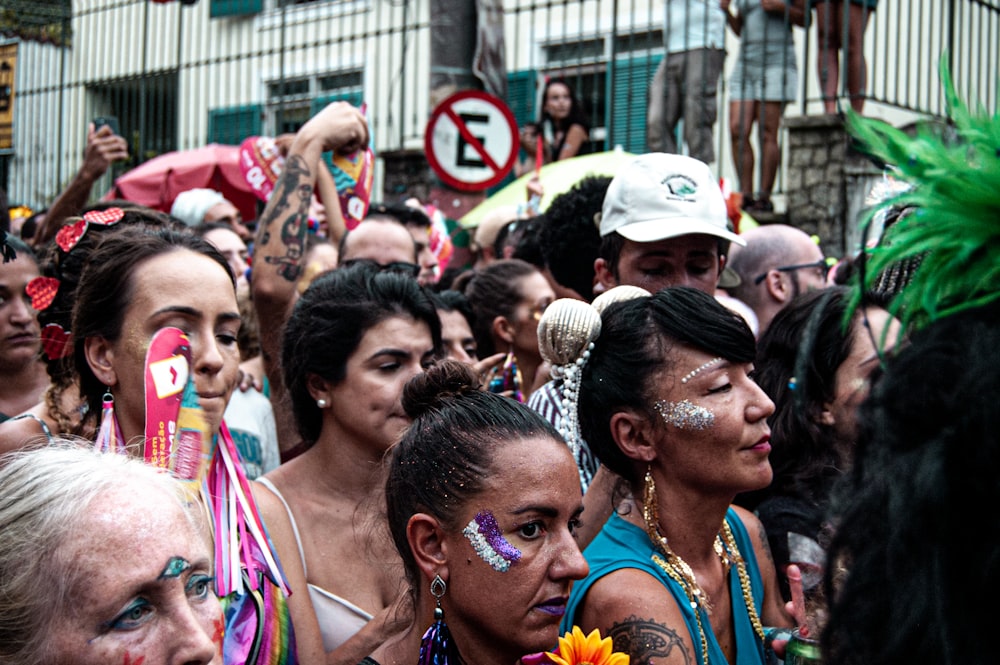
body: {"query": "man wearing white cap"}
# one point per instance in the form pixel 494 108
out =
pixel 207 206
pixel 664 223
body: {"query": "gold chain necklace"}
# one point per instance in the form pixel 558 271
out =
pixel 678 569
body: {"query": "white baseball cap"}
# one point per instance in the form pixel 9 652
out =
pixel 660 195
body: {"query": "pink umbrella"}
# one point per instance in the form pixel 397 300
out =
pixel 157 183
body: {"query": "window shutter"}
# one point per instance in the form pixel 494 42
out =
pixel 220 8
pixel 233 124
pixel 521 93
pixel 629 101
pixel 319 103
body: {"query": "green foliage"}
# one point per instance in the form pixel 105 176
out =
pixel 954 229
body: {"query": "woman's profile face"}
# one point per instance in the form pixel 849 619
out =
pixel 852 380
pixel 712 418
pixel 366 405
pixel 189 291
pixel 456 337
pixel 140 586
pixel 536 295
pixel 558 101
pixel 516 557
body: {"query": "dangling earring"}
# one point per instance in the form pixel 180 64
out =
pixel 437 647
pixel 650 513
pixel 108 435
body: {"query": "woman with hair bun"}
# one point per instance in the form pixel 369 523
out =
pixel 482 498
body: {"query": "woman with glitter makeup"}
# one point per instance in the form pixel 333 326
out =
pixel 668 404
pixel 85 585
pixel 482 498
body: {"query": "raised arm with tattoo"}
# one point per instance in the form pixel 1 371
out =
pixel 281 237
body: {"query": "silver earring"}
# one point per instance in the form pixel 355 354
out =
pixel 321 403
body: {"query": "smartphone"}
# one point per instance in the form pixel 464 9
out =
pixel 109 120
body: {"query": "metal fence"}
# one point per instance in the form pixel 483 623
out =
pixel 179 76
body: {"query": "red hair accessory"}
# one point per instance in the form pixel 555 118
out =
pixel 42 291
pixel 105 217
pixel 69 235
pixel 56 342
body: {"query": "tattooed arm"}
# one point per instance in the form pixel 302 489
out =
pixel 281 236
pixel 642 618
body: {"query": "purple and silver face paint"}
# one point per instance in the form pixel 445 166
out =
pixel 487 539
pixel 685 415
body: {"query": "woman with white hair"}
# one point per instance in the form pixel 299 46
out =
pixel 104 560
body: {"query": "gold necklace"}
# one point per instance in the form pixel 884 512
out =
pixel 678 569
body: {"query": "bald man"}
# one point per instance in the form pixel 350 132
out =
pixel 778 263
pixel 384 241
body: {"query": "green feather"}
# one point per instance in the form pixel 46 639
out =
pixel 955 232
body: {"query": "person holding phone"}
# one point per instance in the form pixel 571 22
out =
pixel 104 146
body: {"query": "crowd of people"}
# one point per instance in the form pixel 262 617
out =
pixel 464 465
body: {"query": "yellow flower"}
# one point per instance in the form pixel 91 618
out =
pixel 575 649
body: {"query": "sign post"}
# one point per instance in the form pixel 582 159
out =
pixel 471 140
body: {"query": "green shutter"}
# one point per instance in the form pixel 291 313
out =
pixel 319 103
pixel 521 92
pixel 233 124
pixel 628 96
pixel 219 8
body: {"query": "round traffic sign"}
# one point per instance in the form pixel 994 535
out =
pixel 471 140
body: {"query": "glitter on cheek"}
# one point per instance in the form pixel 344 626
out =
pixel 487 540
pixel 685 415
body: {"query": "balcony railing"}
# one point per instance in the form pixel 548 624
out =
pixel 182 76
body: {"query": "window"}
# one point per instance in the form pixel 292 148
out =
pixel 293 101
pixel 232 124
pixel 220 8
pixel 618 116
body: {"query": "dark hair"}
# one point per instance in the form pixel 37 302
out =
pixel 106 284
pixel 455 301
pixel 446 455
pixel 916 515
pixel 576 115
pixel 636 337
pixel 21 248
pixel 806 340
pixel 329 321
pixel 494 291
pixel 569 238
pixel 526 237
pixel 205 227
pixel 406 215
pixel 68 268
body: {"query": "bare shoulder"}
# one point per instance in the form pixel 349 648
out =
pixel 272 510
pixel 641 616
pixel 758 536
pixel 22 433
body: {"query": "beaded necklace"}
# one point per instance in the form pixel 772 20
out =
pixel 678 569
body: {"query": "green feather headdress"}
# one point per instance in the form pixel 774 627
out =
pixel 951 231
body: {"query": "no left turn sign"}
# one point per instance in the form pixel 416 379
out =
pixel 471 140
